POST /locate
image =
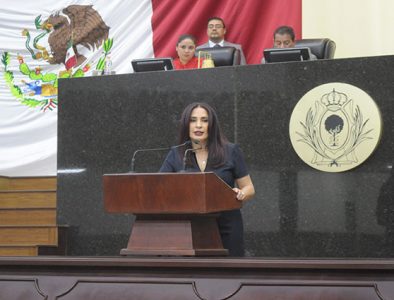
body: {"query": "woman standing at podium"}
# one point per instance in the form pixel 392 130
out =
pixel 210 151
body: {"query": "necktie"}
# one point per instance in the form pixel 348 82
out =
pixel 217 46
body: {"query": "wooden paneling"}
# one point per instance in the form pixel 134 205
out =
pixel 18 250
pixel 28 235
pixel 4 183
pixel 28 183
pixel 33 199
pixel 102 278
pixel 25 217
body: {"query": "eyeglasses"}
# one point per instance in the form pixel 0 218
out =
pixel 217 26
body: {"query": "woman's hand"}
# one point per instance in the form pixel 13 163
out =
pixel 245 189
pixel 240 194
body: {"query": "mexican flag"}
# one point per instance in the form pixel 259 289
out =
pixel 71 57
pixel 139 29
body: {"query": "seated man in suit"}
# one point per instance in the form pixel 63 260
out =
pixel 216 30
pixel 284 37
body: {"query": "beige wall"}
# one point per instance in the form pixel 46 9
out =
pixel 359 27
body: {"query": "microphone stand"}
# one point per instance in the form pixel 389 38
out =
pixel 153 149
pixel 186 152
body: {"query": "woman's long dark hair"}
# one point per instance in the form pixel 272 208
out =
pixel 216 139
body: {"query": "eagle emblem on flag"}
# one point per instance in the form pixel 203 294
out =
pixel 69 35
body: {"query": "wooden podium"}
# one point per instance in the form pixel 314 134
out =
pixel 175 212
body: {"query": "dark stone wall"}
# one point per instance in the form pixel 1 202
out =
pixel 297 212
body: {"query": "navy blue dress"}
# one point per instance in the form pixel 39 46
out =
pixel 229 222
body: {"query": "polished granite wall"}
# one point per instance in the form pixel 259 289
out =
pixel 297 212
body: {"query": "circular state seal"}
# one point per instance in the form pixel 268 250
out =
pixel 335 127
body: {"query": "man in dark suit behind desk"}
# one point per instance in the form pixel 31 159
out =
pixel 284 37
pixel 216 30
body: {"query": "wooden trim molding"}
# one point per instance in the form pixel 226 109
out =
pixel 194 278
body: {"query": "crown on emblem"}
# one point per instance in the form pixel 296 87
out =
pixel 334 99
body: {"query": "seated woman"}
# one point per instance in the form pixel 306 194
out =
pixel 186 47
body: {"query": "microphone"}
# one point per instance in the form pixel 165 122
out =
pixel 154 149
pixel 187 151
